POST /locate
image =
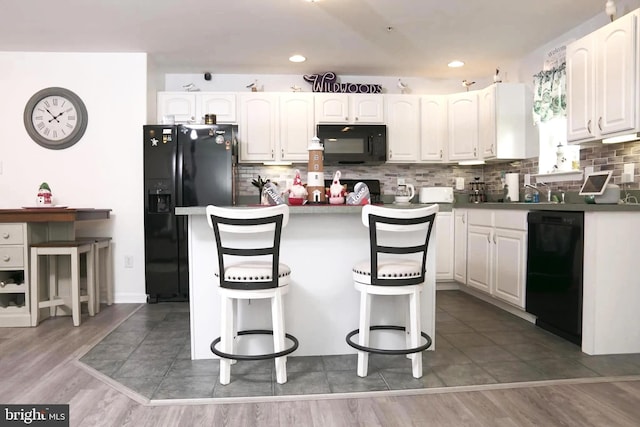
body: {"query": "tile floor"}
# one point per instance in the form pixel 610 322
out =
pixel 477 343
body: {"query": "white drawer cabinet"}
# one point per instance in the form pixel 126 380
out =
pixel 14 288
pixel 497 253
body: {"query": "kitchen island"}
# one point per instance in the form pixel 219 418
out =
pixel 320 244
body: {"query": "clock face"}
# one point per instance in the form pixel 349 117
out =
pixel 55 118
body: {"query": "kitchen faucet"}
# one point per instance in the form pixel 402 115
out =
pixel 536 196
pixel 548 190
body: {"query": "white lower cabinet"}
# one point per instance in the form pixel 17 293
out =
pixel 497 253
pixel 444 246
pixel 14 271
pixel 460 245
pixel 479 250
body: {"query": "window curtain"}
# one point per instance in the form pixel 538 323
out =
pixel 550 94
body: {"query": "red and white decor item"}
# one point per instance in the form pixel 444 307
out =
pixel 44 198
pixel 315 174
pixel 336 190
pixel 360 195
pixel 297 192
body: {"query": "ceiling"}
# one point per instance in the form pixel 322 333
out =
pixel 409 38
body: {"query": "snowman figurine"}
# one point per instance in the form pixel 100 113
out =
pixel 336 190
pixel 44 197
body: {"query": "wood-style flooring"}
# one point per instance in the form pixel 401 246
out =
pixel 39 366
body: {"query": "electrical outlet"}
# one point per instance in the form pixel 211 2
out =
pixel 401 181
pixel 128 261
pixel 527 179
pixel 459 183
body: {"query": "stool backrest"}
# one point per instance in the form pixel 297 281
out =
pixel 398 232
pixel 227 222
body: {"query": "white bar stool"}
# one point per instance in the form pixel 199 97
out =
pixel 72 249
pixel 103 267
pixel 398 243
pixel 245 274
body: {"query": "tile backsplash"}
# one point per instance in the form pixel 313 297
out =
pixel 600 156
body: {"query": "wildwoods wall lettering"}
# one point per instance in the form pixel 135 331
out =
pixel 327 82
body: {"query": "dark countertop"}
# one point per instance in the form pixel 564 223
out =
pixel 316 209
pixel 576 207
pixel 445 207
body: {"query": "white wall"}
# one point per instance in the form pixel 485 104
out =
pixel 104 169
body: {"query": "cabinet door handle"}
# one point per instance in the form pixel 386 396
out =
pixel 441 154
pixel 390 154
pixel 589 126
pixel 475 153
pixel 464 220
pixel 356 119
pixel 272 154
pixel 491 148
pixel 489 237
pixel 2 284
pixel 282 153
pixel 494 238
pixel 600 123
pixel 6 258
pixel 346 119
pixel 5 235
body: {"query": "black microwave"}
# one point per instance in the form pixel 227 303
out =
pixel 353 144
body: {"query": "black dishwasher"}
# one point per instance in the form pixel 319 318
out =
pixel 554 271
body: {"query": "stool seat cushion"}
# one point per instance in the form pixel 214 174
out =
pixel 387 269
pixel 256 271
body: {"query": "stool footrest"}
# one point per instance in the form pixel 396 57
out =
pixel 357 346
pixel 265 356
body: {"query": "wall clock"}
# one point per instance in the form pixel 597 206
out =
pixel 55 118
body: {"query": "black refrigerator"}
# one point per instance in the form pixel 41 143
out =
pixel 184 165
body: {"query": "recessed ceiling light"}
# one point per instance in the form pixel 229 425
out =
pixel 455 64
pixel 297 58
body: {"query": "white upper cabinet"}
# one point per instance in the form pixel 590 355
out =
pixel 223 105
pixel 433 129
pixel 349 108
pixel 403 128
pixel 463 126
pixel 506 129
pixel 275 127
pixel 258 127
pixel 190 107
pixel 181 105
pixel 603 97
pixel 297 126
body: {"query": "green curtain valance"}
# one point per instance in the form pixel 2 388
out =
pixel 550 94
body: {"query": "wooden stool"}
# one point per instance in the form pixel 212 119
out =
pixel 72 249
pixel 102 261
